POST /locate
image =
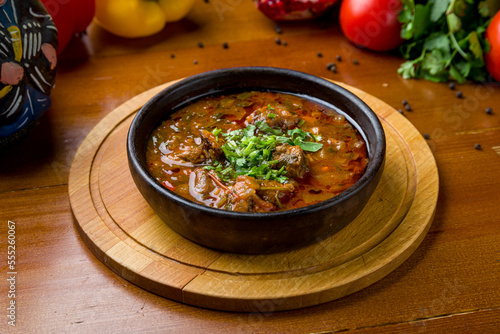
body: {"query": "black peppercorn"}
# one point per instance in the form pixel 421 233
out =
pixel 338 57
pixel 489 111
pixel 477 147
pixel 405 102
pixel 225 45
pixel 460 94
pixel 277 41
pixel 407 107
pixel 452 85
pixel 278 30
pixel 200 45
pixel 426 136
pixel 319 54
pixel 355 62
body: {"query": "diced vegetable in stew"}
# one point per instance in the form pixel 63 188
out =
pixel 256 152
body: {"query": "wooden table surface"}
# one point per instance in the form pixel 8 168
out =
pixel 450 284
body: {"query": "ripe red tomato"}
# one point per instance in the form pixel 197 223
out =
pixel 372 23
pixel 492 58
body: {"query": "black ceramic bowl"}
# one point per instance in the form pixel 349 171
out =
pixel 254 233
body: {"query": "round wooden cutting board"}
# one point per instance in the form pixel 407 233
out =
pixel 121 229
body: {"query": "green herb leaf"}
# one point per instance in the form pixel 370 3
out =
pixel 406 17
pixel 475 45
pixel 438 41
pixel 264 127
pixel 464 68
pixel 454 23
pixel 421 20
pixel 488 8
pixel 484 9
pixel 249 131
pixel 455 74
pixel 433 62
pixel 310 146
pixel 438 9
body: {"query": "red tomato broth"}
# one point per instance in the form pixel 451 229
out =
pixel 177 154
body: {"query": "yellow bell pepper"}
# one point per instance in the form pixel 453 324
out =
pixel 139 18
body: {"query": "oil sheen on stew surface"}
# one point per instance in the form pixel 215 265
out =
pixel 256 152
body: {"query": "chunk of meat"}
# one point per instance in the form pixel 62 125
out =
pixel 275 192
pixel 241 205
pixel 212 145
pixel 245 186
pixel 190 151
pixel 243 191
pixel 282 119
pixel 261 205
pixel 293 158
pixel 200 183
pixel 245 196
pixel 206 187
pixel 199 150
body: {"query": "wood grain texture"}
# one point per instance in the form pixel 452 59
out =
pixel 449 284
pixel 123 231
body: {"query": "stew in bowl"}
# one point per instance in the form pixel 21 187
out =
pixel 256 159
pixel 257 152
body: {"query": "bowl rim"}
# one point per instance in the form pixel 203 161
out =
pixel 375 163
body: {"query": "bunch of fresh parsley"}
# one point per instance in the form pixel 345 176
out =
pixel 249 152
pixel 445 39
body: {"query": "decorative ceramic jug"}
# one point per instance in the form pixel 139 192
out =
pixel 28 44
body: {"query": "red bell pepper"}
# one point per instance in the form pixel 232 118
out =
pixel 70 17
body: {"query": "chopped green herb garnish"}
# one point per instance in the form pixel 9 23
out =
pixel 264 127
pixel 216 131
pixel 271 115
pixel 317 137
pixel 250 153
